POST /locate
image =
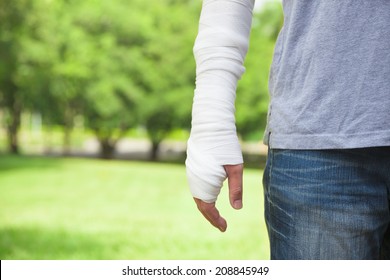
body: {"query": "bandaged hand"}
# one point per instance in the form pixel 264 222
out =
pixel 213 151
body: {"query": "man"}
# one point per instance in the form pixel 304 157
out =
pixel 327 179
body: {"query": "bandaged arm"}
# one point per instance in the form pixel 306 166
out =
pixel 220 49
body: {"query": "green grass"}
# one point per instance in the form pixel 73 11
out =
pixel 53 208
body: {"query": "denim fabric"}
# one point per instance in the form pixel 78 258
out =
pixel 328 204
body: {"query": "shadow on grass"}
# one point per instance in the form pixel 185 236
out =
pixel 9 162
pixel 44 244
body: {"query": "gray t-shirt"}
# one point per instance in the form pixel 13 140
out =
pixel 330 77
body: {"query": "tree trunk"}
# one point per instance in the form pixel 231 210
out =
pixel 68 126
pixel 154 151
pixel 15 112
pixel 13 145
pixel 67 139
pixel 107 148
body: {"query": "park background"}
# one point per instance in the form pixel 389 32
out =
pixel 95 111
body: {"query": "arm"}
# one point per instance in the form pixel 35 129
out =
pixel 213 152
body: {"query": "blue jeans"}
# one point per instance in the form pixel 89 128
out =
pixel 328 204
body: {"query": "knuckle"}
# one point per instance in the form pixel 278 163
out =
pixel 236 193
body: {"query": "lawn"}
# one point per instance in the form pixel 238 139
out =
pixel 56 208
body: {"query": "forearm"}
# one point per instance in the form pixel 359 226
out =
pixel 220 49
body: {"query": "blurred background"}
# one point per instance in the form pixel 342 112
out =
pixel 95 111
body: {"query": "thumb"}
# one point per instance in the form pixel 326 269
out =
pixel 234 175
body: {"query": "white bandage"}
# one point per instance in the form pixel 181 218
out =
pixel 220 49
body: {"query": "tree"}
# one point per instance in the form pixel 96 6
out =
pixel 143 68
pixel 93 58
pixel 117 32
pixel 13 22
pixel 168 98
pixel 54 65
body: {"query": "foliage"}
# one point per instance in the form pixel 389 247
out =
pixel 14 27
pixel 119 64
pixel 167 104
